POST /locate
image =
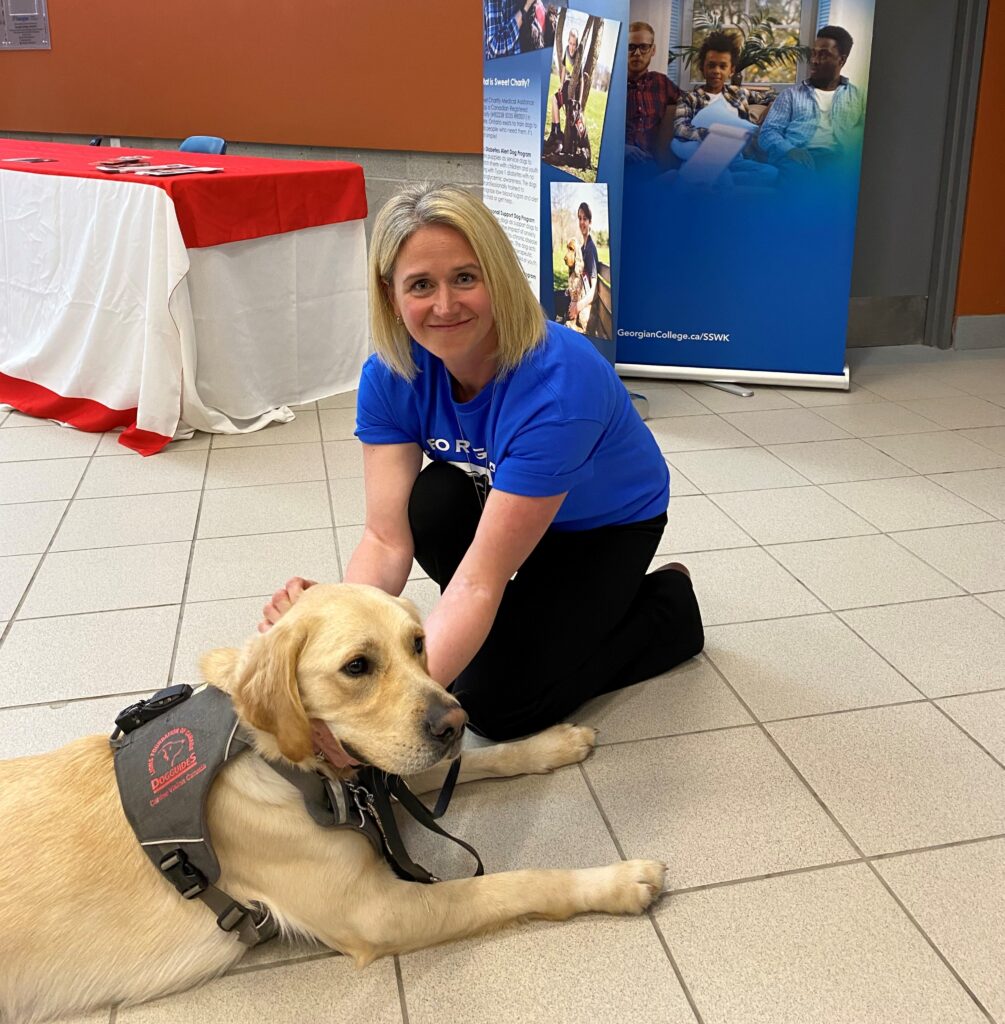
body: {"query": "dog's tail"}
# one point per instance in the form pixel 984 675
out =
pixel 219 666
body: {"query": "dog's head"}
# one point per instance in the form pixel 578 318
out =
pixel 570 253
pixel 352 658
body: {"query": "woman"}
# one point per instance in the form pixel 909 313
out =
pixel 546 495
pixel 717 58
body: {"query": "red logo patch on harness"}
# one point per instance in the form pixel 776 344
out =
pixel 172 763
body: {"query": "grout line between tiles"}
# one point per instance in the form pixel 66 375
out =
pixel 60 702
pixel 334 528
pixel 941 430
pixel 933 700
pixel 321 954
pixel 649 911
pixel 188 567
pixel 938 952
pixel 105 497
pixel 102 611
pixel 811 868
pixel 674 965
pixel 600 809
pixel 984 593
pixel 748 879
pixel 959 497
pixel 914 554
pixel 38 565
pixel 399 978
pixel 973 739
pixel 940 526
pixel 935 847
pixel 854 845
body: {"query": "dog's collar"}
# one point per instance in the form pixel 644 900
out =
pixel 329 749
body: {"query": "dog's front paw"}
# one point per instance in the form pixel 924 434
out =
pixel 560 745
pixel 625 888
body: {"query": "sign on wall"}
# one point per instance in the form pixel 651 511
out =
pixel 24 25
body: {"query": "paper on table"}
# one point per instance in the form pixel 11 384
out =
pixel 155 170
pixel 716 152
pixel 169 170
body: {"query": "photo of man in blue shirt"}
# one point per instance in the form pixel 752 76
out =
pixel 817 124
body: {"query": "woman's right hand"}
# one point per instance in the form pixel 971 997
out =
pixel 282 600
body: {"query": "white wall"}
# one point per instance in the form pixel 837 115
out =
pixel 856 16
pixel 657 13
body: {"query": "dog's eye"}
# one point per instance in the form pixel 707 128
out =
pixel 357 667
pixel 420 644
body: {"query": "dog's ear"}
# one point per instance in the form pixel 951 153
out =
pixel 266 695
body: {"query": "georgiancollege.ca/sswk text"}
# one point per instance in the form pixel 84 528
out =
pixel 674 335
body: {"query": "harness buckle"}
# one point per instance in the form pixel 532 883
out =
pixel 146 710
pixel 231 917
pixel 185 877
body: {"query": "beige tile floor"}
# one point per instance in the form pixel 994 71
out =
pixel 826 781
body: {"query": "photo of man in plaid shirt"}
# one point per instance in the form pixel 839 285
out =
pixel 650 94
pixel 503 21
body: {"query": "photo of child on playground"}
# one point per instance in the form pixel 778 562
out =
pixel 577 96
pixel 581 257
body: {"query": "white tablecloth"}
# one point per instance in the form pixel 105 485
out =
pixel 101 300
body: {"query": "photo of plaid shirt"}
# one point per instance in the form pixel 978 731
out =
pixel 501 29
pixel 736 96
pixel 648 98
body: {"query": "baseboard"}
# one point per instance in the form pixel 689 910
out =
pixel 979 331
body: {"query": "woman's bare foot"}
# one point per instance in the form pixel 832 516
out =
pixel 676 566
pixel 282 600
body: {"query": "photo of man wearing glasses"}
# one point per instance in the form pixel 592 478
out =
pixel 649 95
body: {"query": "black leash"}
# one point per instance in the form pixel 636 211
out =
pixel 380 788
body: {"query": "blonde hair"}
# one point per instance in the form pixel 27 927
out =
pixel 519 319
pixel 642 26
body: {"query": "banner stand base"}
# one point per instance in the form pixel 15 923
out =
pixel 834 381
pixel 732 389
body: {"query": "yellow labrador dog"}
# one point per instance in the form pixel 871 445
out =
pixel 87 922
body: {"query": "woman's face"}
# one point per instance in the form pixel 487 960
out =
pixel 573 42
pixel 439 291
pixel 717 69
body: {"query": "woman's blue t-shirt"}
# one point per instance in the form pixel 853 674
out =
pixel 561 421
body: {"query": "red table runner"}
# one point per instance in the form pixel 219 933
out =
pixel 253 197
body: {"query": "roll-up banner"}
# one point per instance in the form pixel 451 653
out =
pixel 694 168
pixel 554 85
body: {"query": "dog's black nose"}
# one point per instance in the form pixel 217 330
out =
pixel 445 724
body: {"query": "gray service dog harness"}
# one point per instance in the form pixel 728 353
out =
pixel 168 751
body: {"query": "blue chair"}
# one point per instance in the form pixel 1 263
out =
pixel 204 144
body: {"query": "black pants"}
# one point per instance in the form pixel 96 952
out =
pixel 581 617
